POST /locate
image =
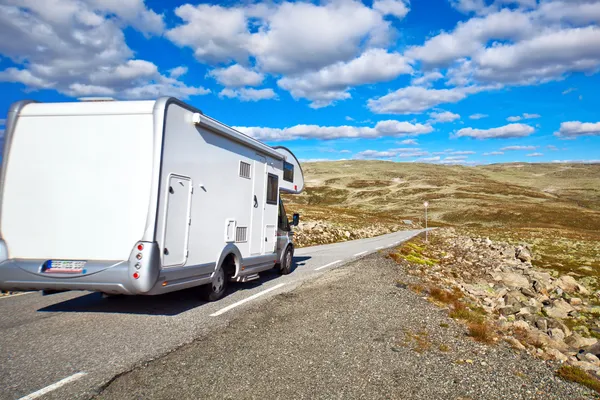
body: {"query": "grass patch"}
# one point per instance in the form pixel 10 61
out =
pixel 462 312
pixel 444 347
pixel 481 332
pixel 576 374
pixel 421 260
pixel 444 296
pixel 420 341
pixel 444 325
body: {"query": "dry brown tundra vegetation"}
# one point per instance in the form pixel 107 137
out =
pixel 516 255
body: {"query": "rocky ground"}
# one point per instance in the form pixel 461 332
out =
pixel 356 332
pixel 494 288
pixel 311 233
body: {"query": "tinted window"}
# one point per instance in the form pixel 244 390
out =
pixel 272 189
pixel 288 172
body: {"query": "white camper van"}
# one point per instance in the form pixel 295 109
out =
pixel 139 197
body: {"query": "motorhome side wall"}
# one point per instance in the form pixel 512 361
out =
pixel 222 203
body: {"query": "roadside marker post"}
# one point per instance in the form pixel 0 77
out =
pixel 426 204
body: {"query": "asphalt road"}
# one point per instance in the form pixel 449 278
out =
pixel 69 345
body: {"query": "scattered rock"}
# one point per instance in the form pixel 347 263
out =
pixel 560 309
pixel 512 279
pixel 556 334
pixel 557 355
pixel 594 349
pixel 528 292
pixel 514 343
pixel 575 301
pixel 591 358
pixel 542 324
pixel 540 287
pixel 523 253
pixel 577 341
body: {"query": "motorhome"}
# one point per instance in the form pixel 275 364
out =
pixel 139 198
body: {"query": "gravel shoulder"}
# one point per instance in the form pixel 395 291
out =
pixel 351 333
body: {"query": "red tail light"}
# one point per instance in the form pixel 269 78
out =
pixel 140 247
pixel 136 275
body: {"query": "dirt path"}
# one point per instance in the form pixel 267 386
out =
pixel 351 334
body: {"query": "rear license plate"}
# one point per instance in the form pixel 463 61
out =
pixel 65 267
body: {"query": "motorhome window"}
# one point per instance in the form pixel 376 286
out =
pixel 282 218
pixel 288 172
pixel 272 189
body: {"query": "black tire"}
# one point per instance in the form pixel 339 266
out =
pixel 217 288
pixel 287 261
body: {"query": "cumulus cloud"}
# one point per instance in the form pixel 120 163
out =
pixel 493 153
pixel 517 148
pixel 249 94
pixel 412 142
pixel 389 128
pixel 178 71
pixel 430 159
pixel 415 99
pixel 574 129
pixel 237 76
pixel 503 132
pixel 478 116
pixel 333 82
pixel 396 8
pixel 391 153
pixel 78 48
pixel 285 37
pixel 535 155
pixel 444 116
pixel 427 79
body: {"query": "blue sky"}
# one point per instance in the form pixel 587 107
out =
pixel 442 81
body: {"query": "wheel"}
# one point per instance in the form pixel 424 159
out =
pixel 216 289
pixel 287 262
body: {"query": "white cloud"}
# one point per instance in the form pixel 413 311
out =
pixel 569 90
pixel 415 99
pixel 493 153
pixel 331 83
pixel 398 9
pixel 478 116
pixel 430 159
pixel 345 151
pixel 503 132
pixel 237 76
pixel 444 116
pixel 427 79
pixel 178 71
pixel 391 153
pixel 388 128
pixel 524 116
pixel 249 94
pixel 517 148
pixel 78 48
pixel 285 37
pixel 535 155
pixel 412 142
pixel 552 147
pixel 514 119
pixel 348 118
pixel 531 116
pixel 455 158
pixel 574 129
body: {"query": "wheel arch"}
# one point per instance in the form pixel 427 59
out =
pixel 230 250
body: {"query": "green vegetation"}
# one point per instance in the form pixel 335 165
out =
pixel 576 374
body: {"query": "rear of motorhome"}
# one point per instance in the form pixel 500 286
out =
pixel 139 198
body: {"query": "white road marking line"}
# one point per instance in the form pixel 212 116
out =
pixel 239 303
pixel 54 386
pixel 360 254
pixel 328 265
pixel 379 248
pixel 15 295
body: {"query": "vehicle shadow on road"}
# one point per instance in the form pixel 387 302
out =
pixel 169 304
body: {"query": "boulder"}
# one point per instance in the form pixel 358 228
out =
pixel 570 285
pixel 557 355
pixel 577 341
pixel 510 310
pixel 575 301
pixel 560 309
pixel 512 279
pixel 540 287
pixel 542 324
pixel 523 253
pixel 556 334
pixel 591 358
pixel 594 349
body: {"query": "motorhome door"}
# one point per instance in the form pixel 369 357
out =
pixel 177 221
pixel 257 240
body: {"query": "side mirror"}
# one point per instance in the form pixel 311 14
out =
pixel 296 219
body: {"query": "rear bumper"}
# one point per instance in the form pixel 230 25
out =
pixel 107 277
pixel 133 276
